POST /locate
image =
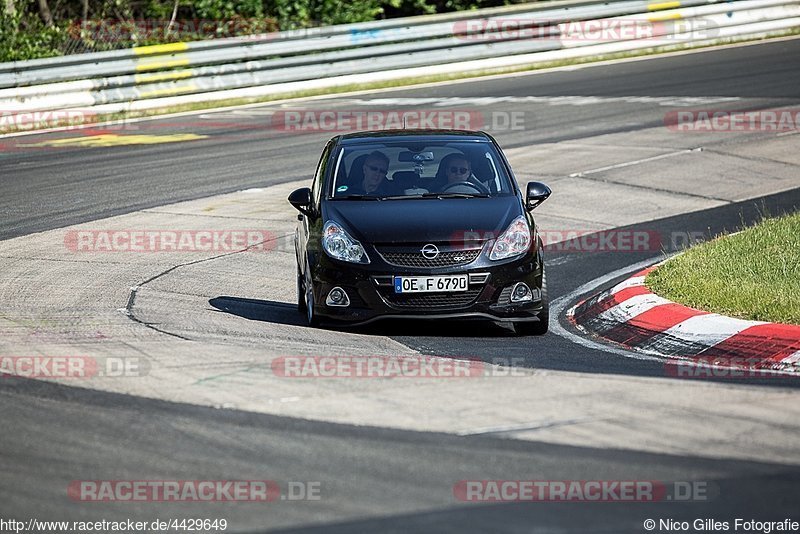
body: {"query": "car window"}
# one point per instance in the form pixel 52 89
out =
pixel 316 186
pixel 420 169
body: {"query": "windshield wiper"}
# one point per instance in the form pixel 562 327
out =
pixel 357 197
pixel 455 195
pixel 402 197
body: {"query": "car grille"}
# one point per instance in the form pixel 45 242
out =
pixel 432 300
pixel 444 259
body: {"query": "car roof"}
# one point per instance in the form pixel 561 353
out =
pixel 412 135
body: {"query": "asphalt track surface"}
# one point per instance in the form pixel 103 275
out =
pixel 52 188
pixel 394 481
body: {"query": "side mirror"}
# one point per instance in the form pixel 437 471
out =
pixel 536 193
pixel 301 200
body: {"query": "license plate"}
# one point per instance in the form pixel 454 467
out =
pixel 430 284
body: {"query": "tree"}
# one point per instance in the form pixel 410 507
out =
pixel 44 12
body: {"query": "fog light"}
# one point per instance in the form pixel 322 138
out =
pixel 337 297
pixel 521 293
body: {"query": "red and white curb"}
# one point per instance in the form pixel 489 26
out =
pixel 631 315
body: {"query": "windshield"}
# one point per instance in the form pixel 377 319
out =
pixel 406 169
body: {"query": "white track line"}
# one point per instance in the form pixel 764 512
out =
pixel 635 162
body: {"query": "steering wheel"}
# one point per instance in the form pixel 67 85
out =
pixel 477 187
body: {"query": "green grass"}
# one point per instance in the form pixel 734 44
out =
pixel 754 274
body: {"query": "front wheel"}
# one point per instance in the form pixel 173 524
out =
pixel 311 316
pixel 301 291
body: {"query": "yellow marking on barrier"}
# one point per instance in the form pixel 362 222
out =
pixel 169 91
pixel 158 65
pixel 105 140
pixel 160 49
pixel 668 16
pixel 663 5
pixel 163 76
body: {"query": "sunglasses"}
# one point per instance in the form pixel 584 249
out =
pixel 373 168
pixel 459 170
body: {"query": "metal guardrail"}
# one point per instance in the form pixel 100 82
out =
pixel 577 8
pixel 162 75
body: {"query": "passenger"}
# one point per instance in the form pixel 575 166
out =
pixel 374 171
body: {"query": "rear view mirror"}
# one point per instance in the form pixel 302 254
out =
pixel 416 157
pixel 536 193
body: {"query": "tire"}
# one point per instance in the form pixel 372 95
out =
pixel 301 292
pixel 311 317
pixel 540 327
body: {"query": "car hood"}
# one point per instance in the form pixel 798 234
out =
pixel 429 220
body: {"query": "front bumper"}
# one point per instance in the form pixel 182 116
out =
pixel 371 291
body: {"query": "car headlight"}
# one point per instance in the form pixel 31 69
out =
pixel 515 240
pixel 339 245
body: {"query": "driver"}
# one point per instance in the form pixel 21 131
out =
pixel 458 169
pixel 453 169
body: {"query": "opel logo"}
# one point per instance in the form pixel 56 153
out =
pixel 429 251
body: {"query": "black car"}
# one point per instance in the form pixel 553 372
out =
pixel 419 224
